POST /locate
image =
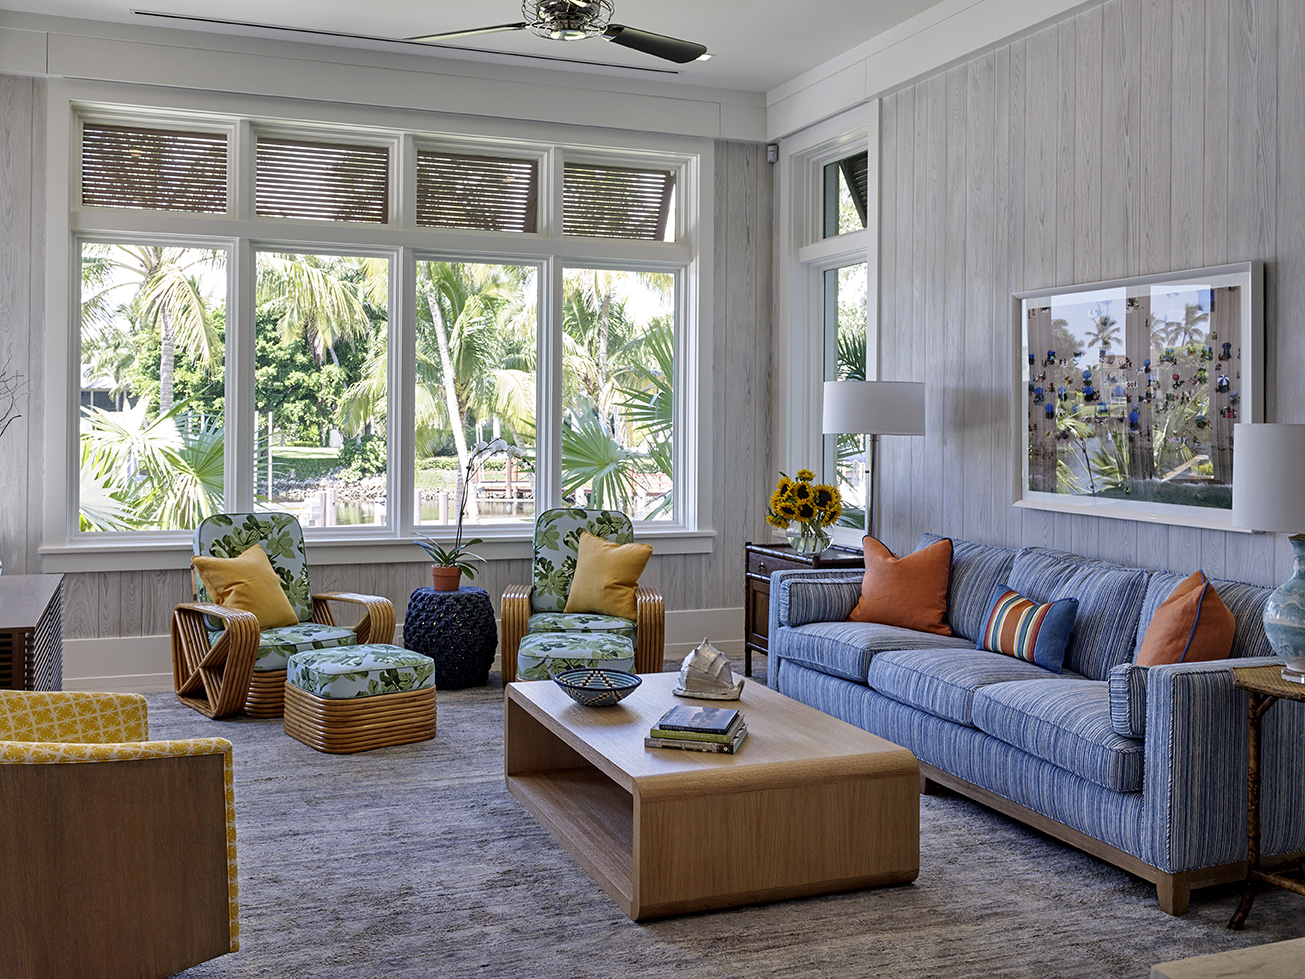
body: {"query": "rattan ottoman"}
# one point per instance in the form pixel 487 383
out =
pixel 356 698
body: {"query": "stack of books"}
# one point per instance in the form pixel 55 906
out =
pixel 718 729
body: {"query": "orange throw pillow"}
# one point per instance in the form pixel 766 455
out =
pixel 909 592
pixel 1192 625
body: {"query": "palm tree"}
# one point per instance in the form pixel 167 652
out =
pixel 1104 329
pixel 168 295
pixel 320 297
pixel 1191 329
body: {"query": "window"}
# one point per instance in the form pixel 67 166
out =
pixel 474 373
pixel 480 192
pixel 321 346
pixel 613 202
pixel 341 351
pixel 152 407
pixel 845 194
pixel 155 169
pixel 322 181
pixel 843 304
pixel 618 390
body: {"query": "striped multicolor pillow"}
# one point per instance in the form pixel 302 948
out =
pixel 1026 630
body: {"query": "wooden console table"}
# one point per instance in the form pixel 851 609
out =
pixel 1266 687
pixel 31 632
pixel 759 561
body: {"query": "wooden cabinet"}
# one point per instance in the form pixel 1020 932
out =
pixel 760 561
pixel 31 632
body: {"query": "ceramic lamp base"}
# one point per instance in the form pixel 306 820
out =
pixel 1284 612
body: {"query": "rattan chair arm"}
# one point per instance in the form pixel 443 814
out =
pixel 650 630
pixel 514 614
pixel 377 623
pixel 213 679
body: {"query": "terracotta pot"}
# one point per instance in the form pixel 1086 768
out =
pixel 445 578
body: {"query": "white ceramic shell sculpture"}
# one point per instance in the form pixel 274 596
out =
pixel 706 674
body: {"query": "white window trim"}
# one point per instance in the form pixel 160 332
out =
pixel 804 256
pixel 243 117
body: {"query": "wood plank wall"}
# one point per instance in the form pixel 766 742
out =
pixel 1135 137
pixel 736 467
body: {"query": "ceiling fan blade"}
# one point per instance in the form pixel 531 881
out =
pixel 474 32
pixel 658 45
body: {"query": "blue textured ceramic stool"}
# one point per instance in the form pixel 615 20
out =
pixel 456 629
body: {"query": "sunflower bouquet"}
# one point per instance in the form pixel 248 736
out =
pixel 812 506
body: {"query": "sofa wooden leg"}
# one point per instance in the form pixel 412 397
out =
pixel 927 786
pixel 1173 891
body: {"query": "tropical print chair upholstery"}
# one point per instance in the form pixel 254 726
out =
pixel 538 607
pixel 221 662
pixel 128 845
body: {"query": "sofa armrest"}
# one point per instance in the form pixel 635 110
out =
pixel 1196 764
pixel 798 597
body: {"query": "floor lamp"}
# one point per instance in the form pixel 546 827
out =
pixel 873 408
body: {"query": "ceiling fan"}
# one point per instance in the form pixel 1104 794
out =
pixel 575 20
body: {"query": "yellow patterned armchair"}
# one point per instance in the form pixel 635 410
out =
pixel 119 853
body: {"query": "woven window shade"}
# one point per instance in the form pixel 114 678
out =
pixel 484 193
pixel 611 202
pixel 322 181
pixel 154 169
pixel 856 171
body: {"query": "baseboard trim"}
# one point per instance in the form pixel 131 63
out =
pixel 143 664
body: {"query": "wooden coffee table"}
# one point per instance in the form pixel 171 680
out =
pixel 809 805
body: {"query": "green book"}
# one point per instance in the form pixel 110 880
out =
pixel 676 735
pixel 720 747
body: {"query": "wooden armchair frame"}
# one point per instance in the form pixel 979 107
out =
pixel 219 680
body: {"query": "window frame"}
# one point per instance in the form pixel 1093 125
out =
pixel 243 233
pixel 805 255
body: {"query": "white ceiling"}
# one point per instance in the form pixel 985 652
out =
pixel 756 45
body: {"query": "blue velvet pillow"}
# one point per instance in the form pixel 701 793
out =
pixel 1035 633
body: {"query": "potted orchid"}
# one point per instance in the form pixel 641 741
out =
pixel 450 563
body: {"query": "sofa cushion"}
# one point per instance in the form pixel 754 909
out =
pixel 845 649
pixel 1128 700
pixel 1026 630
pixel 1065 722
pixel 1245 602
pixel 944 681
pixel 1109 605
pixel 910 591
pixel 976 570
pixel 1192 625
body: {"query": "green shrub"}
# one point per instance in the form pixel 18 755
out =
pixel 361 457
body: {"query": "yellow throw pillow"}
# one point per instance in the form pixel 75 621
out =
pixel 606 575
pixel 247 583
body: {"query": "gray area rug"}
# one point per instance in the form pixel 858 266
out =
pixel 416 861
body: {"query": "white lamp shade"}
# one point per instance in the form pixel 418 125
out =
pixel 1269 477
pixel 874 408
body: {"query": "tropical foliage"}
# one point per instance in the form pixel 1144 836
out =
pixel 153 336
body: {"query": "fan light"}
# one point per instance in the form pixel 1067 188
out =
pixel 567 20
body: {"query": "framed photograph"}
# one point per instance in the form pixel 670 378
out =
pixel 1126 393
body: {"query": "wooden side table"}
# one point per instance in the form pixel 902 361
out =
pixel 759 562
pixel 31 632
pixel 1266 687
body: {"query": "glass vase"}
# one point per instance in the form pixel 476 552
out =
pixel 807 539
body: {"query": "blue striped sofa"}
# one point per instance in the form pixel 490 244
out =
pixel 1143 767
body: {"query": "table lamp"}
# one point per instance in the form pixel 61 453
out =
pixel 1269 494
pixel 873 408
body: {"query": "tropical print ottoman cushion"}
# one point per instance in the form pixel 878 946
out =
pixel 360 671
pixel 275 646
pixel 586 622
pixel 544 653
